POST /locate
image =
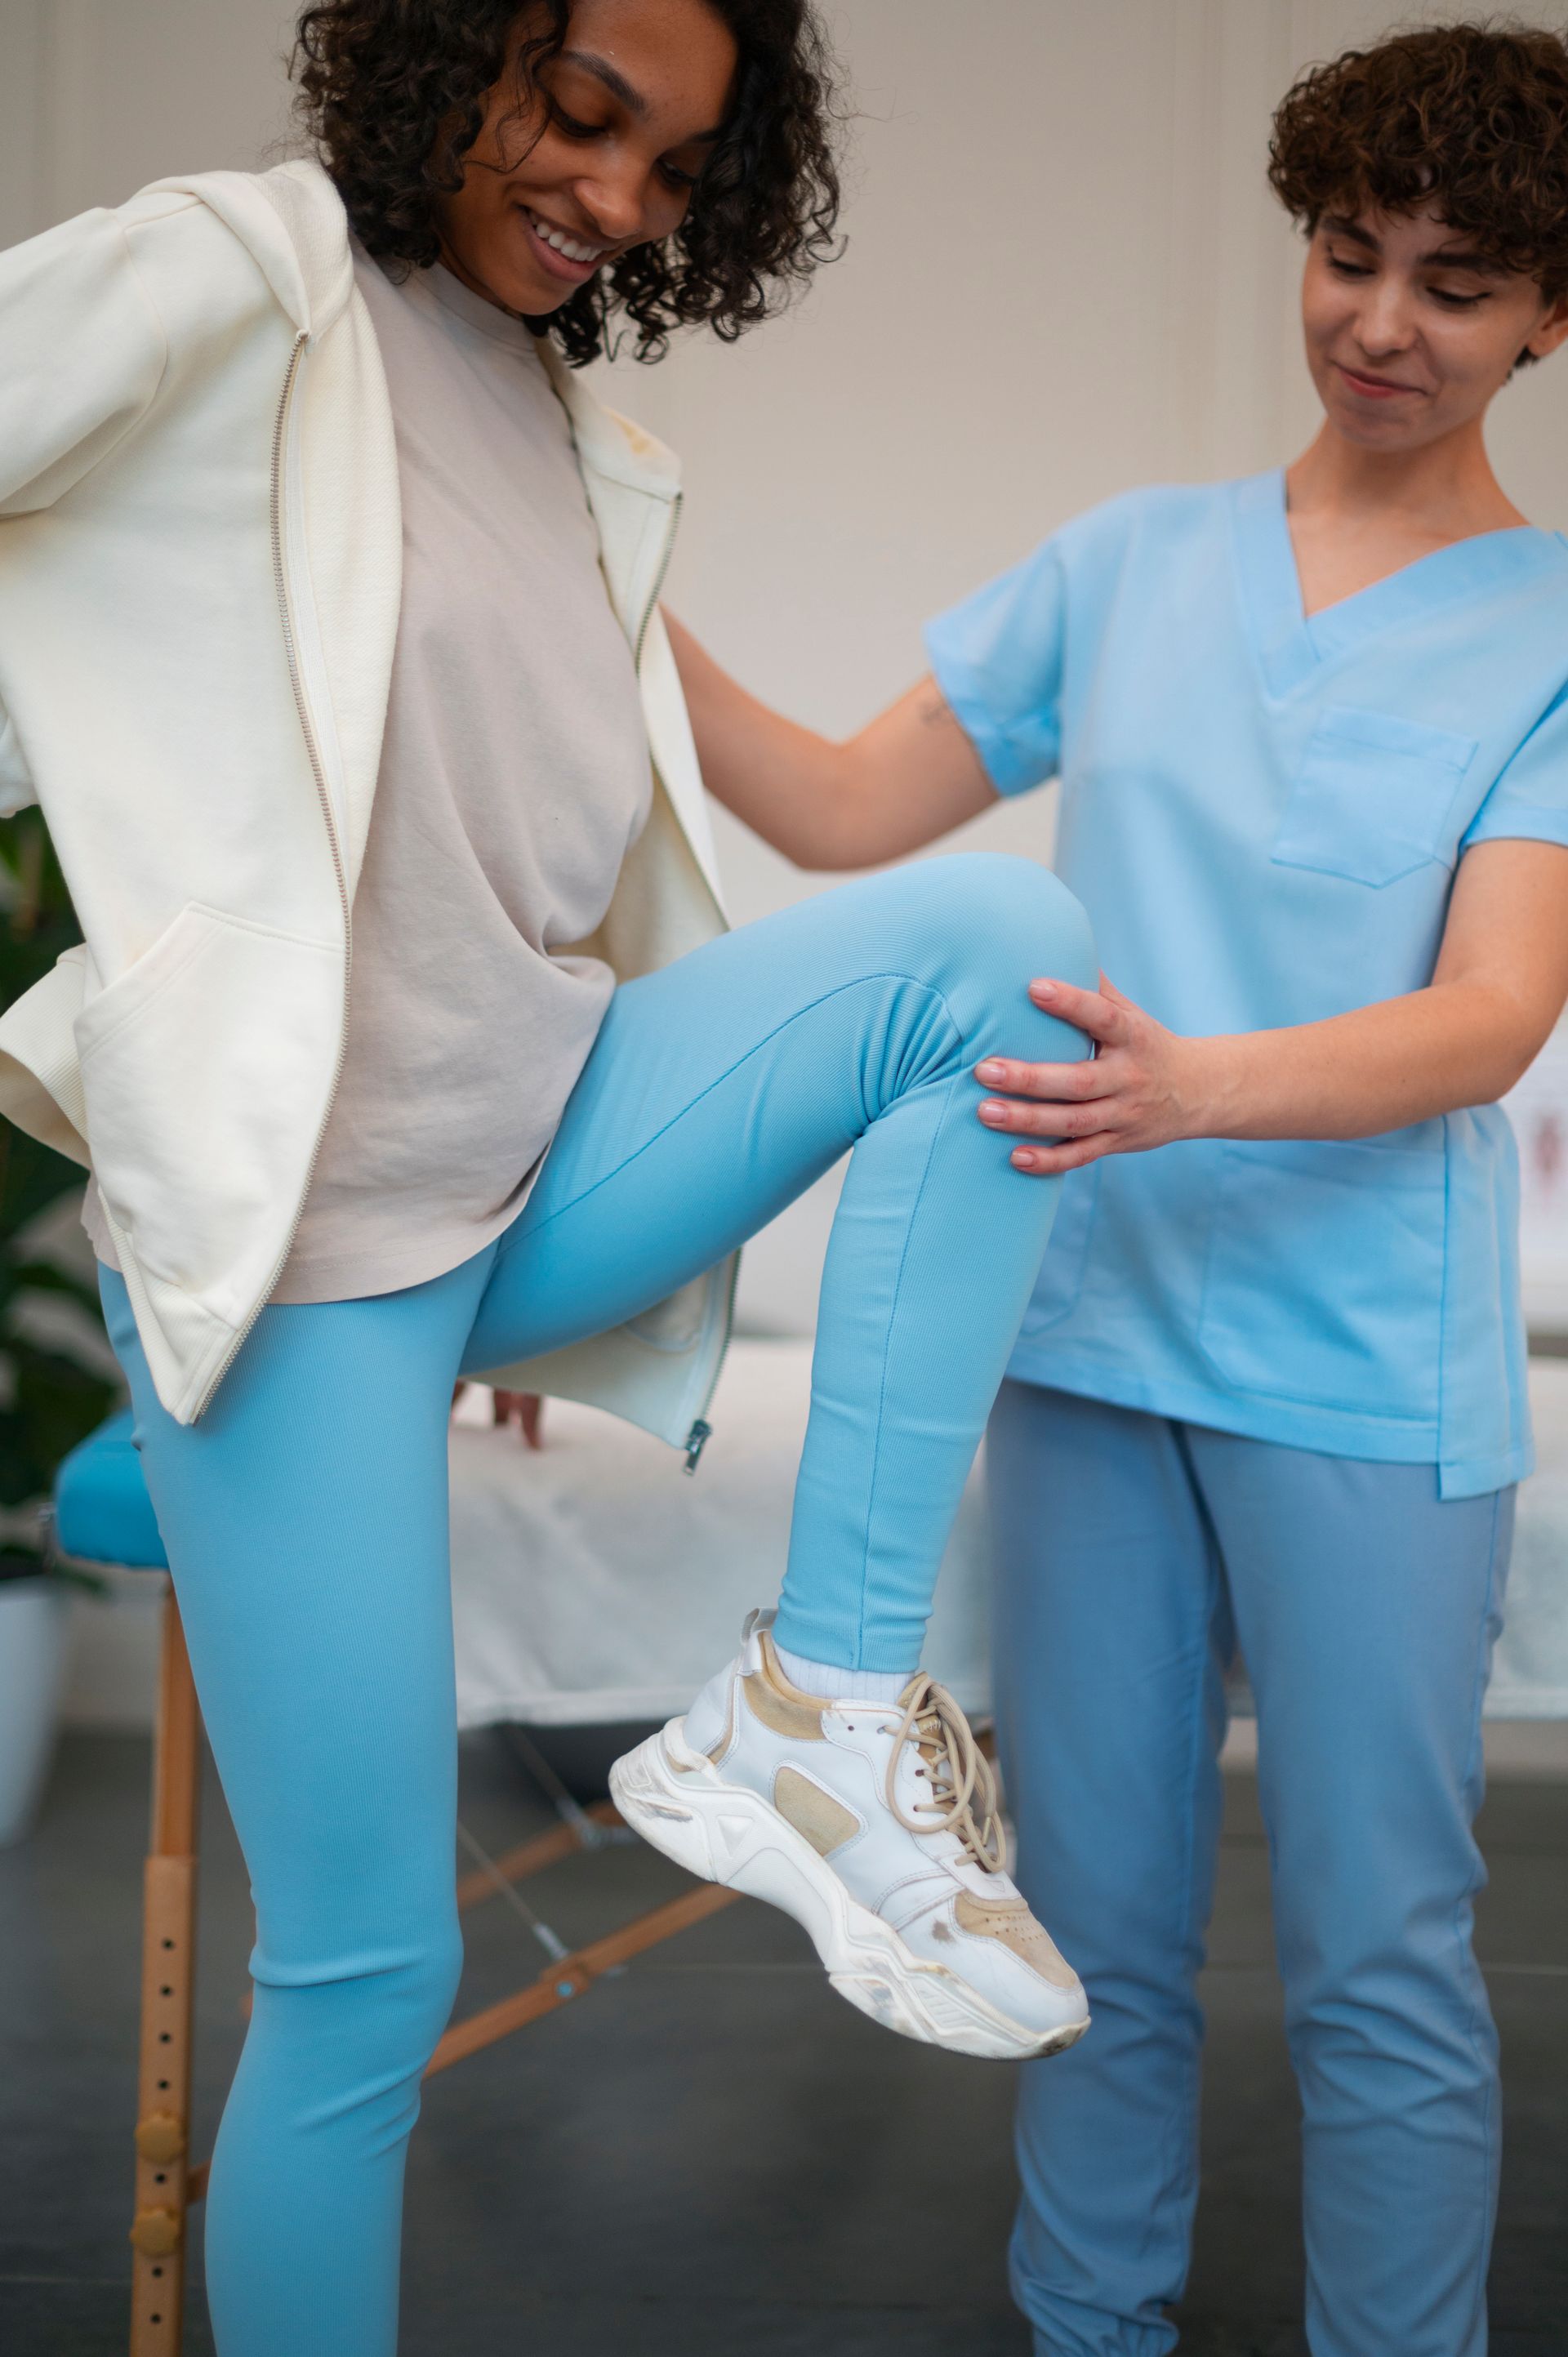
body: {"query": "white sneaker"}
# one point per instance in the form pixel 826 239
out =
pixel 875 1825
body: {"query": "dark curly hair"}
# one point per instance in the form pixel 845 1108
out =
pixel 392 94
pixel 1471 118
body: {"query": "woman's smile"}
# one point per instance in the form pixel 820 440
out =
pixel 1373 388
pixel 559 252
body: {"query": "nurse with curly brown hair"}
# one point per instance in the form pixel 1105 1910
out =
pixel 1311 731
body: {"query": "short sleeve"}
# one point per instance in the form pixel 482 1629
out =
pixel 1529 802
pixel 997 658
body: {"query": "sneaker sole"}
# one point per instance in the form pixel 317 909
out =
pixel 723 1833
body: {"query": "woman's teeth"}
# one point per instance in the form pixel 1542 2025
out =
pixel 563 244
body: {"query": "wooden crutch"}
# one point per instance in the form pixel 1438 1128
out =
pixel 169 1977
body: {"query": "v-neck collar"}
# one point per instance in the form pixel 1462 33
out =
pixel 1291 645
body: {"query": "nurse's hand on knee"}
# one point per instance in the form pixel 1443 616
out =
pixel 1144 1087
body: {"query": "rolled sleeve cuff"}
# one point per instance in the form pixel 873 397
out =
pixel 1518 823
pixel 1013 760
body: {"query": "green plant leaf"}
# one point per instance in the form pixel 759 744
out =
pixel 51 1399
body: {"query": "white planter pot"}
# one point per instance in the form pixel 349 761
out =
pixel 34 1614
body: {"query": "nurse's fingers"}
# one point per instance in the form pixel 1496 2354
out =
pixel 1064 1083
pixel 1046 1120
pixel 1106 1018
pixel 1050 1161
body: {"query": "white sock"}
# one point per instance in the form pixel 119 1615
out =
pixel 826 1681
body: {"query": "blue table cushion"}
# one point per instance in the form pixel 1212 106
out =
pixel 102 1511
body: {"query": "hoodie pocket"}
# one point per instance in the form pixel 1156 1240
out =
pixel 206 1069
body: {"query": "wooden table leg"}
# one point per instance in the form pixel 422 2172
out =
pixel 559 1983
pixel 168 1973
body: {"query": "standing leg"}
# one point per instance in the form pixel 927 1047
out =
pixel 1111 1635
pixel 718 1090
pixel 306 1521
pixel 1367 1611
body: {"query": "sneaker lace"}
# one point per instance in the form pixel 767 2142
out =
pixel 963 1789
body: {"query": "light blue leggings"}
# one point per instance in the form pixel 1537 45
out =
pixel 306 1516
pixel 1132 1553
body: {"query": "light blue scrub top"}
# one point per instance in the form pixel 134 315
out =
pixel 1262 815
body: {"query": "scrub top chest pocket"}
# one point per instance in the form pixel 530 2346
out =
pixel 1376 797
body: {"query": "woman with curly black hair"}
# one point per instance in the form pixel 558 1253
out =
pixel 328 613
pixel 421 112
pixel 1312 730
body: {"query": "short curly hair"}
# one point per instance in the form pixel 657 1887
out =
pixel 392 94
pixel 1471 118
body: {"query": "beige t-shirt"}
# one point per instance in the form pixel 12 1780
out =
pixel 514 779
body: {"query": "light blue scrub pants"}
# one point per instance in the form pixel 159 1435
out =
pixel 306 1516
pixel 1132 1555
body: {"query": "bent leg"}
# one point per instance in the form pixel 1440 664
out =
pixel 1111 1633
pixel 305 1521
pixel 719 1088
pixel 1367 1611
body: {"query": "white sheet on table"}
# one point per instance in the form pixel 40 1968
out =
pixel 594 1582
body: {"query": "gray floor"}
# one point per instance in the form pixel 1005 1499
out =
pixel 711 2153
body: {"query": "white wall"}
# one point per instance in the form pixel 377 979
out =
pixel 97 97
pixel 1065 275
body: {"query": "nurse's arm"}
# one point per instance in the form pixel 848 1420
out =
pixel 909 776
pixel 1498 988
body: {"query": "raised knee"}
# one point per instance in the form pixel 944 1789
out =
pixel 1018 914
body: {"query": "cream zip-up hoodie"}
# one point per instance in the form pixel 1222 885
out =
pixel 201 554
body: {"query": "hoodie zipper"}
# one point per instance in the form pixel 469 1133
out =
pixel 324 796
pixel 702 1431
